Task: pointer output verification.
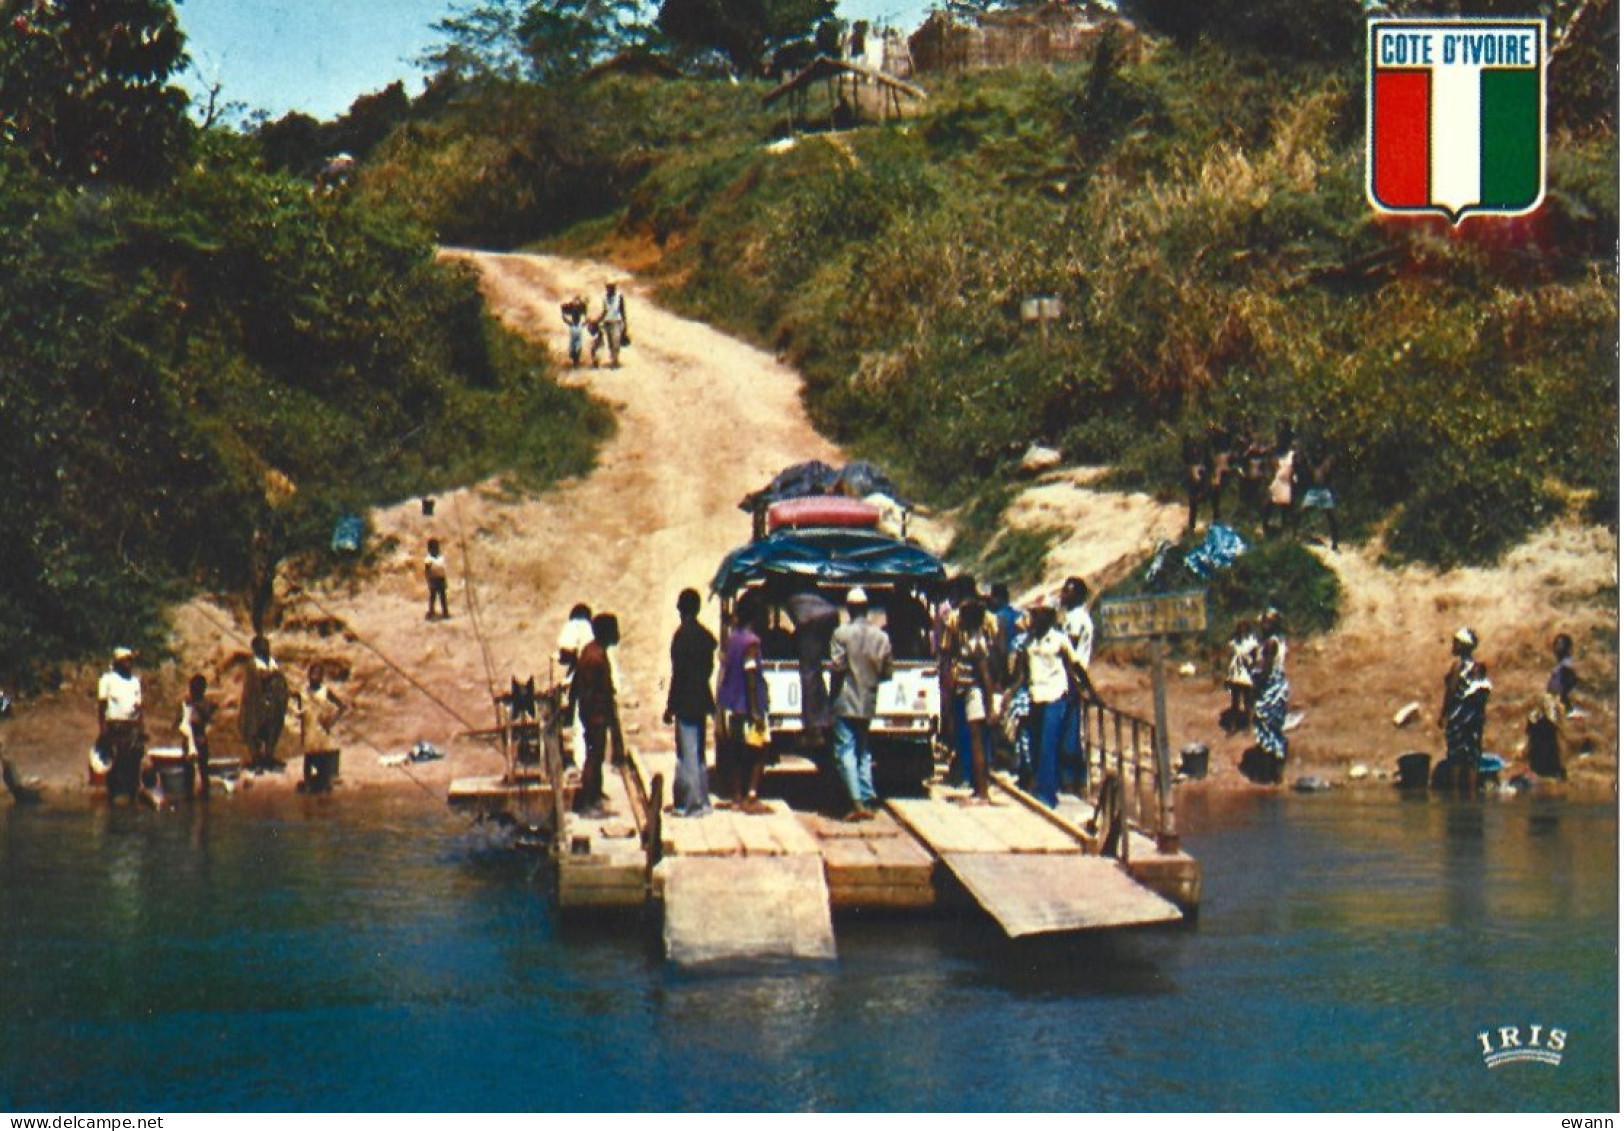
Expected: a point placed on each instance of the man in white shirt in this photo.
(434, 572)
(572, 638)
(1078, 625)
(118, 723)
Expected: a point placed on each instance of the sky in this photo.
(317, 56)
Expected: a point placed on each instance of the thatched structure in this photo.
(853, 89)
(1054, 31)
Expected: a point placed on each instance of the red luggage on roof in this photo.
(822, 510)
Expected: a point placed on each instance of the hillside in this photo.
(1200, 218)
(658, 512)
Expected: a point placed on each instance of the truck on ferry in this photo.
(813, 542)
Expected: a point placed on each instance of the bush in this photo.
(174, 355)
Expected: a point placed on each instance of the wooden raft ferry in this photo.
(731, 885)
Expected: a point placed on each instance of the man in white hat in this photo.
(118, 723)
(860, 659)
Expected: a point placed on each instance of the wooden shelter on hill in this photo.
(1051, 31)
(855, 90)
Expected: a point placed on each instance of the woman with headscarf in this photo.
(1273, 692)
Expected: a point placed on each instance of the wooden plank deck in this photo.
(1005, 826)
(1043, 894)
(1028, 871)
(603, 863)
(720, 908)
(873, 864)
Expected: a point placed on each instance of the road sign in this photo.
(1153, 614)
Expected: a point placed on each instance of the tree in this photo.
(745, 32)
(539, 40)
(84, 87)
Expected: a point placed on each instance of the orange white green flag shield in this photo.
(1455, 114)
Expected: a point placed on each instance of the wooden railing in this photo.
(1124, 744)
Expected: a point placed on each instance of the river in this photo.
(376, 952)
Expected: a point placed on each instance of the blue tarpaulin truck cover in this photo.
(844, 556)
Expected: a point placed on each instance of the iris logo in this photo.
(1514, 1043)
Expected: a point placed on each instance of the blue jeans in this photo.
(854, 761)
(690, 792)
(1048, 721)
(1073, 769)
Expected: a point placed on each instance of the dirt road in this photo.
(702, 420)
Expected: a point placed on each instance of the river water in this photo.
(379, 953)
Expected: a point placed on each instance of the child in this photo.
(319, 710)
(195, 714)
(1243, 654)
(434, 572)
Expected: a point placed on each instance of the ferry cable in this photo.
(232, 633)
(471, 597)
(396, 668)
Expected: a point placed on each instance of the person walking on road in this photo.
(860, 660)
(574, 312)
(611, 326)
(690, 704)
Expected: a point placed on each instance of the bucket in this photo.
(319, 771)
(174, 774)
(100, 763)
(1193, 761)
(174, 781)
(1413, 769)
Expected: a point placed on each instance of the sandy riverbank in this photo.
(703, 419)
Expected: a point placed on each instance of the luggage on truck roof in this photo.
(846, 556)
(822, 510)
(858, 479)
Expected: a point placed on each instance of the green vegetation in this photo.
(199, 349)
(1199, 213)
(1278, 574)
(1201, 217)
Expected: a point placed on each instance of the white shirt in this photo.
(575, 635)
(122, 694)
(1046, 666)
(1079, 627)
